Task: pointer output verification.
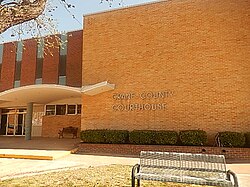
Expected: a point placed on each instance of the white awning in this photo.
(48, 93)
(39, 94)
(97, 88)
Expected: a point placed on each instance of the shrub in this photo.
(116, 136)
(104, 136)
(193, 137)
(143, 137)
(93, 136)
(232, 139)
(166, 137)
(247, 136)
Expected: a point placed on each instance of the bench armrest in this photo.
(231, 173)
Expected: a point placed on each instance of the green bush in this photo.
(141, 137)
(116, 136)
(93, 136)
(232, 139)
(247, 136)
(166, 137)
(193, 137)
(149, 137)
(104, 136)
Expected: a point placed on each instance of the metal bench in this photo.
(200, 169)
(68, 130)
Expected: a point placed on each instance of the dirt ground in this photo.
(102, 176)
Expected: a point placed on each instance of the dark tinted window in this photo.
(63, 55)
(60, 109)
(1, 57)
(79, 109)
(71, 109)
(19, 53)
(39, 59)
(50, 109)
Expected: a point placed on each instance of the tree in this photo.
(14, 12)
(19, 11)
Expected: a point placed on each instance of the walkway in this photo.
(37, 148)
(38, 143)
(11, 168)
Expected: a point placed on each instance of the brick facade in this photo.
(134, 150)
(28, 68)
(51, 60)
(74, 59)
(195, 50)
(52, 124)
(8, 66)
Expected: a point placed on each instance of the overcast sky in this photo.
(64, 20)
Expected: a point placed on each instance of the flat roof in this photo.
(125, 7)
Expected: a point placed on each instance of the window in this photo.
(63, 59)
(71, 109)
(1, 53)
(17, 84)
(60, 109)
(5, 111)
(79, 109)
(39, 60)
(50, 110)
(1, 57)
(39, 81)
(19, 53)
(62, 80)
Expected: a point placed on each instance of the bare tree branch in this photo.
(13, 13)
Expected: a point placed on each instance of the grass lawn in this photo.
(105, 176)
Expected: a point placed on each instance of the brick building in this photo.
(167, 65)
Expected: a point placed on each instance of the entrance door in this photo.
(3, 124)
(19, 127)
(12, 124)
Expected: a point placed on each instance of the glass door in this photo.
(11, 125)
(19, 126)
(13, 122)
(3, 124)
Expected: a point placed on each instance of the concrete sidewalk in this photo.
(12, 168)
(36, 148)
(33, 154)
(38, 143)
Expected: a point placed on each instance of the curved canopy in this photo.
(38, 94)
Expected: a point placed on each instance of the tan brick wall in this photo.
(196, 49)
(52, 124)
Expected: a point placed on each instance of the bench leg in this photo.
(135, 168)
(138, 182)
(229, 174)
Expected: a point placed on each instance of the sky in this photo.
(64, 20)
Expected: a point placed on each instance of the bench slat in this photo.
(187, 180)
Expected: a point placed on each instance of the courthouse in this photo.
(167, 65)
